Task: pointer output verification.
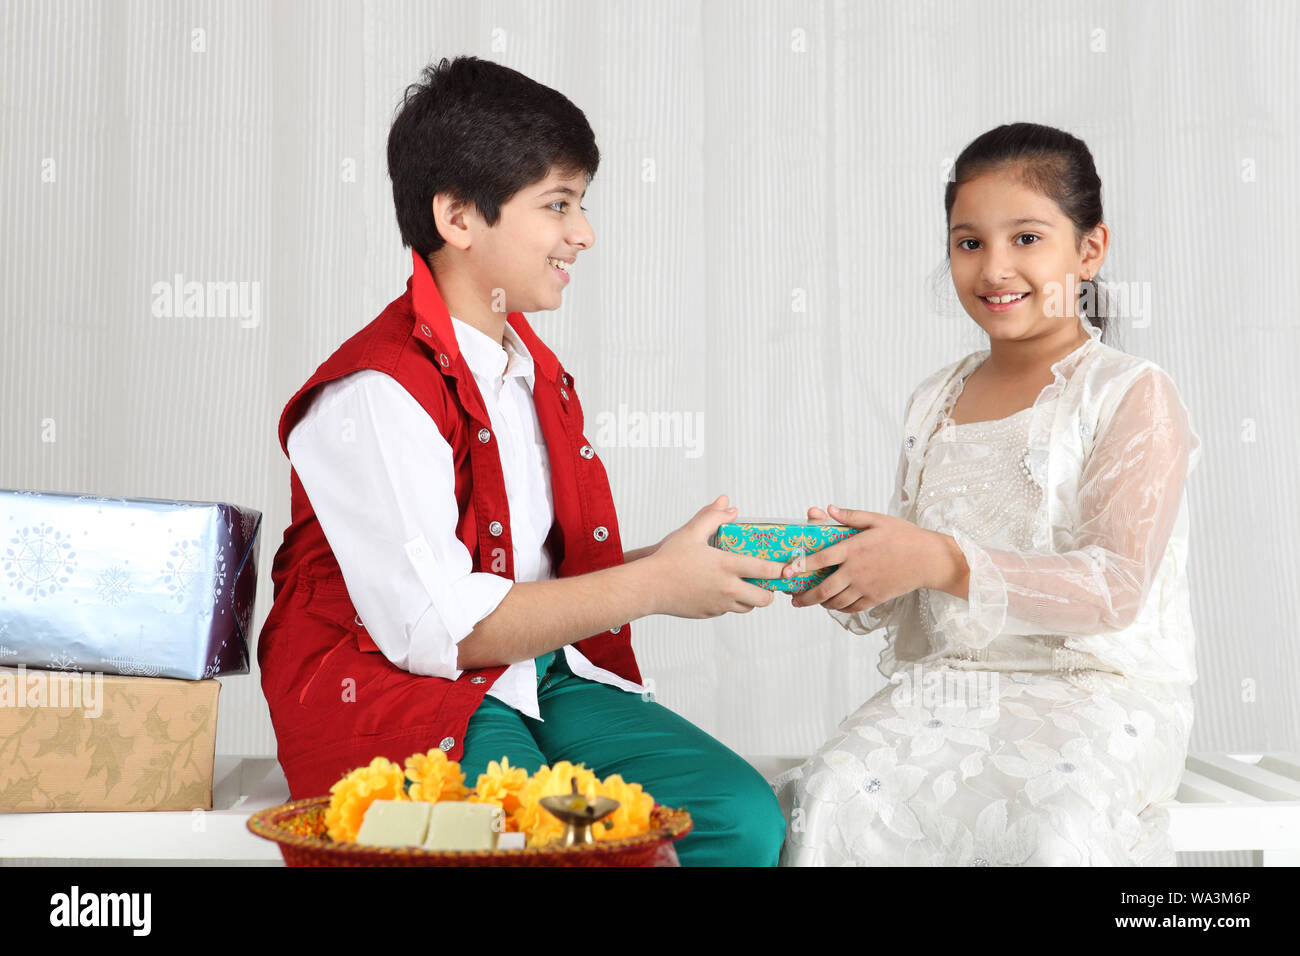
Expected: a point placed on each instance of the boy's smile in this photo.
(1015, 263)
(522, 262)
(528, 253)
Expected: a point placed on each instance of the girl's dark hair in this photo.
(482, 132)
(1051, 162)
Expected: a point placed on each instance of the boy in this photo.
(453, 575)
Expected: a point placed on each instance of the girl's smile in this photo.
(1003, 301)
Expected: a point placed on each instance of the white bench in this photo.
(1224, 802)
(220, 836)
(1240, 802)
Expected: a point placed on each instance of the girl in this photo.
(1031, 574)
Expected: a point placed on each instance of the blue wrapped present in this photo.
(136, 586)
(775, 539)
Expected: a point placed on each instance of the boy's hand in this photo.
(887, 557)
(693, 579)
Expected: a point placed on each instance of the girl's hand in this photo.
(688, 577)
(886, 558)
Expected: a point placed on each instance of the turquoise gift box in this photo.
(775, 539)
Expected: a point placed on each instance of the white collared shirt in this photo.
(380, 476)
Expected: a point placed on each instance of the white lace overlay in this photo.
(976, 478)
(1042, 770)
(1010, 749)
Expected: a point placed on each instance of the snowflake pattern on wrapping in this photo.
(214, 665)
(219, 580)
(63, 661)
(131, 666)
(248, 524)
(113, 585)
(185, 569)
(40, 560)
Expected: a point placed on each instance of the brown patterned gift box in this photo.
(85, 741)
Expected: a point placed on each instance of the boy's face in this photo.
(1007, 238)
(520, 262)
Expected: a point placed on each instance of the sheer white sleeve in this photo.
(1130, 493)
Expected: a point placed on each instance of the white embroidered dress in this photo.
(1042, 720)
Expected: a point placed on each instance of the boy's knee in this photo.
(744, 826)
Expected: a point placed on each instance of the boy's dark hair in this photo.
(1052, 162)
(482, 132)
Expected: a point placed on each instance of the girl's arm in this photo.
(1129, 498)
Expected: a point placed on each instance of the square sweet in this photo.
(775, 539)
(395, 823)
(510, 841)
(460, 825)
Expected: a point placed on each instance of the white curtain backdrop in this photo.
(768, 265)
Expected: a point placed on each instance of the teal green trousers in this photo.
(736, 818)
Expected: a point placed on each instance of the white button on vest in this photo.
(615, 630)
(357, 619)
(446, 743)
(601, 533)
(564, 395)
(585, 451)
(495, 528)
(484, 435)
(478, 679)
(443, 360)
(425, 330)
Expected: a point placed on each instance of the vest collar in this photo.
(430, 310)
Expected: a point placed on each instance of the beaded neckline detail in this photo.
(990, 424)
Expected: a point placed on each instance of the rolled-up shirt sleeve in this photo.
(1130, 493)
(381, 480)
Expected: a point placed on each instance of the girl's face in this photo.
(1007, 239)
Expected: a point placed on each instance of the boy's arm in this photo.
(381, 480)
(540, 616)
(684, 576)
(630, 556)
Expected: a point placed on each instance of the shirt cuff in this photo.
(451, 613)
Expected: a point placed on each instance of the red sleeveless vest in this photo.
(336, 701)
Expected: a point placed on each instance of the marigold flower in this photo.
(632, 818)
(352, 796)
(433, 777)
(500, 786)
